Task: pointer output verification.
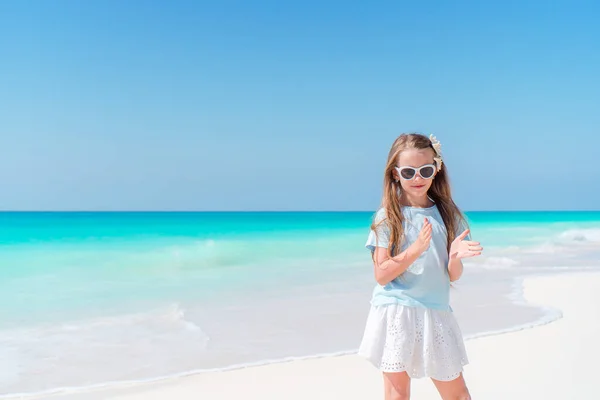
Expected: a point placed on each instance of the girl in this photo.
(417, 240)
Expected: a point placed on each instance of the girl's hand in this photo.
(422, 242)
(464, 248)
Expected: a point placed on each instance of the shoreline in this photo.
(516, 296)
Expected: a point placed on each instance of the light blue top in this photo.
(426, 282)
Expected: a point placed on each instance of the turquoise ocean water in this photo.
(93, 298)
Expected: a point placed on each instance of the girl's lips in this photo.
(418, 186)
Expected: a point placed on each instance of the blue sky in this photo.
(187, 105)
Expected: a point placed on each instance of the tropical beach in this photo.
(149, 298)
(197, 199)
(515, 365)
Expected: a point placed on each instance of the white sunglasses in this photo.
(425, 171)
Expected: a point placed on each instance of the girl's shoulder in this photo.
(380, 215)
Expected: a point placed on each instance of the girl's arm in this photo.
(455, 269)
(460, 249)
(387, 269)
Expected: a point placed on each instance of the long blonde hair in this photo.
(439, 192)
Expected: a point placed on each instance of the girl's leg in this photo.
(453, 390)
(396, 385)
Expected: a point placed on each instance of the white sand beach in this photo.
(557, 360)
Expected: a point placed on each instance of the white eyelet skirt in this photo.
(421, 341)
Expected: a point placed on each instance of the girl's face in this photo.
(415, 169)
